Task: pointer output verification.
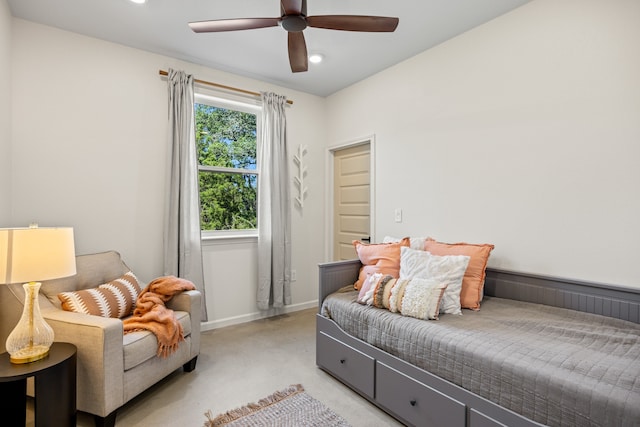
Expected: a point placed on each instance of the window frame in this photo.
(230, 103)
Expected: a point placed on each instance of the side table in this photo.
(55, 388)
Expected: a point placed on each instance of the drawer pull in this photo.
(343, 360)
(413, 402)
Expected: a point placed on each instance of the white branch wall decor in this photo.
(302, 172)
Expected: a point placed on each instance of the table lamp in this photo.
(30, 255)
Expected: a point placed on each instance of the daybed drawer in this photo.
(350, 365)
(416, 402)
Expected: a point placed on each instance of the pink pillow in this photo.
(473, 281)
(381, 258)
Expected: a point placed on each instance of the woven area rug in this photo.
(291, 407)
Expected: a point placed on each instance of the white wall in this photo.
(89, 142)
(5, 112)
(524, 133)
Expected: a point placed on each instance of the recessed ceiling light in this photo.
(138, 1)
(316, 58)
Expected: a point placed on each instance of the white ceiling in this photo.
(160, 26)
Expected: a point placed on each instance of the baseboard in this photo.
(236, 320)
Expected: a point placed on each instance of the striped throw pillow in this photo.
(114, 299)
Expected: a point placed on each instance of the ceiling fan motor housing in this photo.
(293, 23)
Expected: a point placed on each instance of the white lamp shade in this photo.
(35, 254)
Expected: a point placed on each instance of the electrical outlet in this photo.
(294, 275)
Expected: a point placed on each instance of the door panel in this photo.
(351, 202)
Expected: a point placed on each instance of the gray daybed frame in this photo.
(417, 397)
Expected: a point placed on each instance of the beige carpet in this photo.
(291, 407)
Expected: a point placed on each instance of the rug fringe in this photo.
(250, 408)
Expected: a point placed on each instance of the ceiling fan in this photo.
(294, 20)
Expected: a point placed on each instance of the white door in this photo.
(351, 204)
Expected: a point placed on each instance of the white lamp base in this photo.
(32, 337)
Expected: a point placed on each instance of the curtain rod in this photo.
(218, 85)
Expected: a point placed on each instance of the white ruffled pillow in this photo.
(448, 270)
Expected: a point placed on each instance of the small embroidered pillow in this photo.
(419, 298)
(376, 290)
(114, 299)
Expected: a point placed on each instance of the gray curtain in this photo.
(274, 214)
(182, 239)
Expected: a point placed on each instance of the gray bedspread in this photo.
(555, 366)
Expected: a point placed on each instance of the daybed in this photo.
(540, 351)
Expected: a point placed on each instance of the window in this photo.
(226, 139)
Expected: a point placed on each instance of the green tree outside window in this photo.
(228, 177)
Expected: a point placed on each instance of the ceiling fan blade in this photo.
(233, 24)
(297, 52)
(293, 7)
(381, 24)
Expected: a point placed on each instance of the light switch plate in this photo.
(398, 215)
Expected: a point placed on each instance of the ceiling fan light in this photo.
(316, 58)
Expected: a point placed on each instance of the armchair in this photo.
(113, 367)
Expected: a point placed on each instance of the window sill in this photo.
(231, 237)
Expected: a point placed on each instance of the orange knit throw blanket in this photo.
(151, 314)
